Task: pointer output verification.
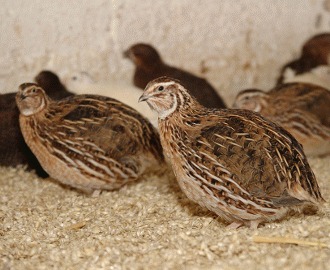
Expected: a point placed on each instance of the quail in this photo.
(149, 65)
(13, 149)
(88, 142)
(313, 64)
(236, 163)
(302, 109)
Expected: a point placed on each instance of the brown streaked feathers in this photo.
(302, 109)
(236, 163)
(86, 141)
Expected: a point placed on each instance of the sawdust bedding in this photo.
(147, 225)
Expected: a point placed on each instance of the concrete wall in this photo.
(235, 44)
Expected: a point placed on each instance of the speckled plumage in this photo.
(149, 66)
(302, 109)
(13, 149)
(86, 141)
(315, 52)
(236, 163)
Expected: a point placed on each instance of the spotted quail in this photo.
(149, 65)
(88, 142)
(302, 109)
(236, 163)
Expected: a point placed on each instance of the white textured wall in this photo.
(241, 43)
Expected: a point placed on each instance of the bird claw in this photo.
(254, 224)
(234, 225)
(96, 193)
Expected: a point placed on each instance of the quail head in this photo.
(302, 109)
(236, 163)
(88, 142)
(149, 65)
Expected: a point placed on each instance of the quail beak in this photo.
(144, 97)
(22, 96)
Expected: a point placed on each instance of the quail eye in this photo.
(33, 90)
(160, 88)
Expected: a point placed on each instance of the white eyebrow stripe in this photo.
(165, 83)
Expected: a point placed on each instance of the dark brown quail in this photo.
(313, 64)
(236, 163)
(88, 142)
(52, 85)
(302, 109)
(149, 66)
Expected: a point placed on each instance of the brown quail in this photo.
(149, 65)
(88, 142)
(302, 109)
(52, 85)
(313, 64)
(236, 163)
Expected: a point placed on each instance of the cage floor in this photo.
(146, 225)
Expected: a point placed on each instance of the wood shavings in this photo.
(146, 225)
(76, 226)
(287, 240)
